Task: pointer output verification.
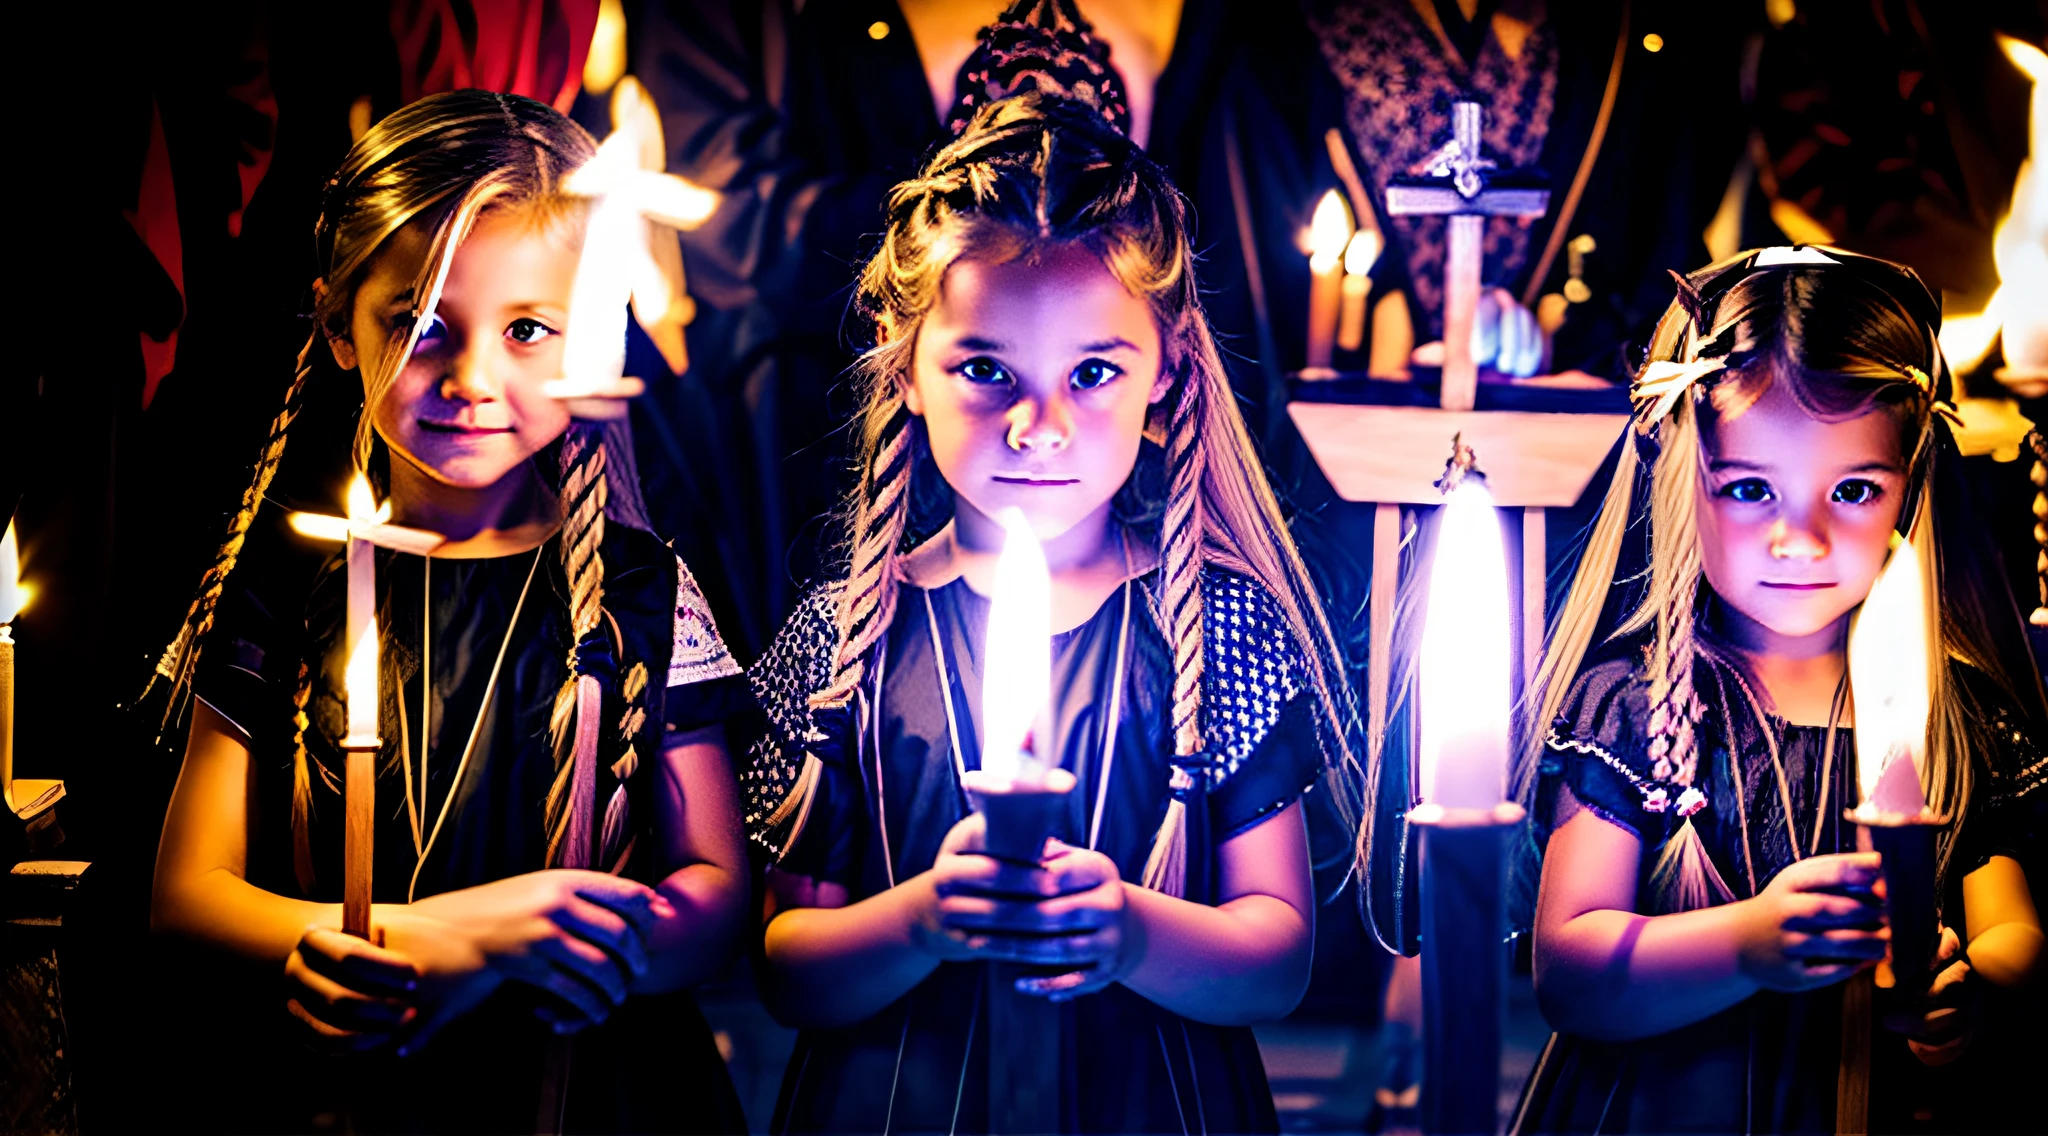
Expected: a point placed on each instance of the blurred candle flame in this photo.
(1329, 231)
(1465, 658)
(1016, 687)
(14, 593)
(2019, 248)
(1361, 253)
(360, 682)
(1890, 656)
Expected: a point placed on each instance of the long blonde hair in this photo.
(1027, 175)
(1843, 337)
(443, 161)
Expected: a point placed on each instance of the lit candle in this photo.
(1329, 232)
(1466, 656)
(13, 597)
(1359, 256)
(1891, 659)
(1464, 701)
(1016, 686)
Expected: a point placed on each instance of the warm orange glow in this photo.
(1016, 684)
(2019, 248)
(1889, 659)
(362, 503)
(319, 526)
(360, 681)
(1466, 656)
(1329, 231)
(607, 59)
(14, 594)
(1362, 252)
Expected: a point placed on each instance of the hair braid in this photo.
(889, 451)
(302, 784)
(182, 656)
(575, 722)
(1181, 543)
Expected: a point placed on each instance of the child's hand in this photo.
(579, 936)
(963, 883)
(1817, 923)
(1938, 1024)
(1088, 924)
(349, 994)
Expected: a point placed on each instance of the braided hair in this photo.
(1843, 335)
(437, 164)
(1028, 175)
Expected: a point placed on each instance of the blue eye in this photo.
(1858, 491)
(1748, 491)
(1093, 373)
(982, 369)
(528, 331)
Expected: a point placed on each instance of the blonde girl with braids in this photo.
(1039, 346)
(1699, 902)
(557, 846)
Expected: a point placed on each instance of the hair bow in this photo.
(1663, 381)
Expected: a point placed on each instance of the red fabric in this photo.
(256, 147)
(155, 219)
(534, 48)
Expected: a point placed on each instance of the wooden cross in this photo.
(1458, 188)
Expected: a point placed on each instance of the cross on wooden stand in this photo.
(1384, 442)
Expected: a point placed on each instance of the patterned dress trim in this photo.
(1252, 668)
(699, 653)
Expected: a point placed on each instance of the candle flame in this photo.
(360, 683)
(1890, 659)
(362, 503)
(1465, 656)
(319, 526)
(2019, 249)
(1362, 252)
(1328, 232)
(1016, 687)
(14, 594)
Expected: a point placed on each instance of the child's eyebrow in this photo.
(1113, 343)
(1719, 464)
(1874, 467)
(977, 343)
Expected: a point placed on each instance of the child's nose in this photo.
(1040, 425)
(469, 379)
(1794, 538)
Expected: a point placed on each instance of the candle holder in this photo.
(1464, 963)
(1906, 843)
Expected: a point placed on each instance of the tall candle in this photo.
(1016, 689)
(1892, 656)
(13, 597)
(1329, 232)
(1466, 656)
(1359, 256)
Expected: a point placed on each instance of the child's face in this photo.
(1796, 515)
(1033, 381)
(468, 408)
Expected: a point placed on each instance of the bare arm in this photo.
(828, 963)
(2004, 929)
(697, 813)
(1246, 959)
(1604, 971)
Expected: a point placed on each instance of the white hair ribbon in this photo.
(1663, 381)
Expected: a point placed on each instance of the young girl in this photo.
(1039, 346)
(1701, 901)
(550, 855)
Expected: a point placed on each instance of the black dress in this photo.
(1770, 1063)
(880, 814)
(652, 1066)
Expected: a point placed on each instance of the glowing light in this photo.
(607, 59)
(319, 526)
(360, 682)
(1890, 657)
(1362, 251)
(2019, 249)
(1466, 656)
(878, 30)
(1329, 231)
(14, 594)
(1653, 43)
(1017, 672)
(362, 503)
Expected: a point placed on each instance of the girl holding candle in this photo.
(1039, 345)
(545, 865)
(1701, 903)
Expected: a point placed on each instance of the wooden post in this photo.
(358, 840)
(1535, 592)
(1462, 264)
